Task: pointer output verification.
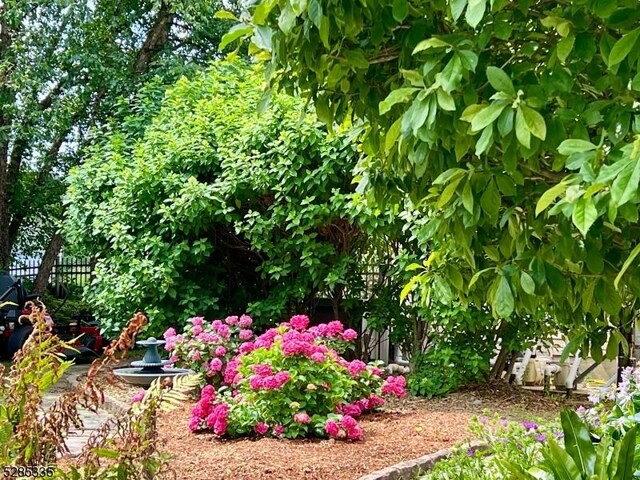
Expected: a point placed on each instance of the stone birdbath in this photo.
(143, 372)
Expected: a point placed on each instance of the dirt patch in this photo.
(406, 429)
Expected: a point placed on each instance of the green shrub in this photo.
(460, 345)
(205, 208)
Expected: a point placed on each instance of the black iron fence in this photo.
(66, 270)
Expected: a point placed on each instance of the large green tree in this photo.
(513, 127)
(64, 67)
(195, 206)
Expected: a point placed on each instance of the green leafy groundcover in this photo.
(589, 444)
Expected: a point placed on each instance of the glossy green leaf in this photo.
(487, 115)
(623, 47)
(400, 10)
(549, 197)
(475, 12)
(584, 214)
(503, 300)
(500, 80)
(400, 95)
(575, 146)
(522, 131)
(627, 263)
(577, 442)
(527, 283)
(534, 122)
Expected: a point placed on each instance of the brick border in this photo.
(407, 470)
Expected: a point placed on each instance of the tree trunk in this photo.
(48, 261)
(498, 367)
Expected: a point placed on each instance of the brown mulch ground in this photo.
(407, 429)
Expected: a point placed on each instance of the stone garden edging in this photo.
(408, 469)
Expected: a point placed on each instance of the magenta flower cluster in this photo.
(207, 347)
(269, 380)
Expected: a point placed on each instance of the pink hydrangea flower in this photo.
(318, 357)
(355, 433)
(395, 386)
(332, 428)
(215, 365)
(262, 369)
(271, 383)
(194, 424)
(299, 322)
(196, 330)
(231, 320)
(171, 332)
(224, 331)
(247, 347)
(208, 392)
(349, 335)
(261, 428)
(197, 321)
(301, 417)
(138, 397)
(255, 382)
(196, 355)
(245, 334)
(231, 371)
(356, 367)
(351, 409)
(245, 321)
(283, 377)
(220, 351)
(348, 422)
(335, 328)
(278, 430)
(174, 358)
(374, 401)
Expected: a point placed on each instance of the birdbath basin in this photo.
(143, 372)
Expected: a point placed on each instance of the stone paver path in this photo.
(76, 439)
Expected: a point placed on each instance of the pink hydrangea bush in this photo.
(207, 347)
(292, 382)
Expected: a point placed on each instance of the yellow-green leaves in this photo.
(500, 80)
(549, 197)
(571, 146)
(625, 186)
(487, 115)
(623, 47)
(475, 12)
(584, 214)
(527, 283)
(503, 301)
(433, 42)
(399, 95)
(236, 32)
(534, 122)
(627, 263)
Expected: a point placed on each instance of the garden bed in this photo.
(406, 429)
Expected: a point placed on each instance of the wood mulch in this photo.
(406, 429)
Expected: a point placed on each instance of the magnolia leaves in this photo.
(503, 300)
(528, 122)
(475, 10)
(615, 186)
(623, 47)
